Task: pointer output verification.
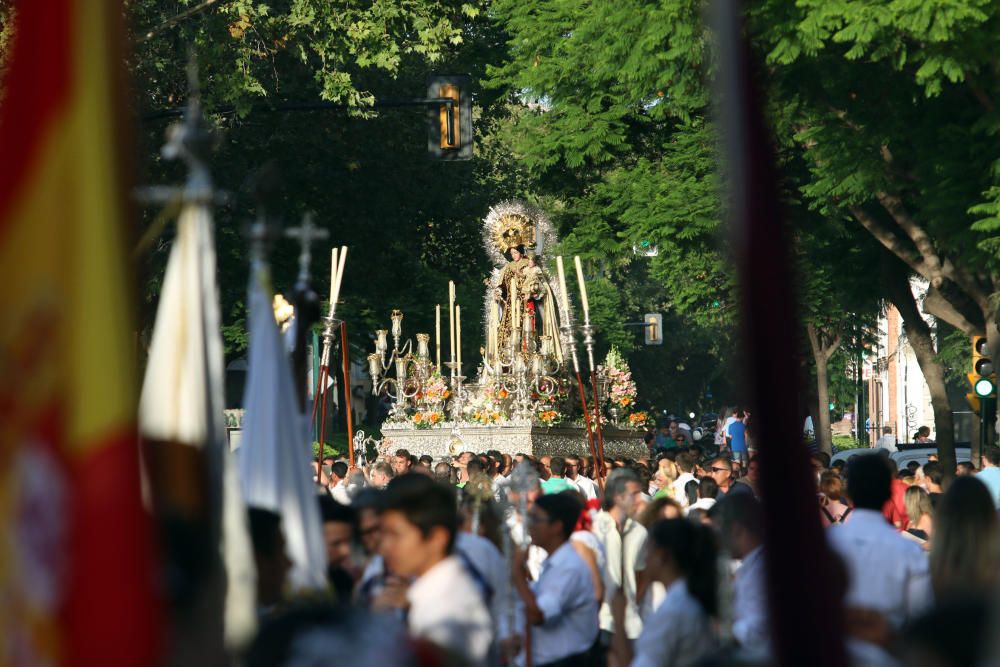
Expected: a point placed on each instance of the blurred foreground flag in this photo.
(77, 565)
(274, 453)
(192, 477)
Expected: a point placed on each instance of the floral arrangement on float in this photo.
(434, 391)
(425, 419)
(484, 405)
(550, 402)
(549, 416)
(620, 392)
(426, 409)
(638, 420)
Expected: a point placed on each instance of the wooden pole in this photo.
(324, 373)
(323, 370)
(347, 393)
(587, 425)
(599, 429)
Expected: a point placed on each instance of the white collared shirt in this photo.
(678, 634)
(750, 603)
(605, 529)
(565, 594)
(447, 609)
(702, 504)
(888, 573)
(679, 485)
(340, 494)
(585, 485)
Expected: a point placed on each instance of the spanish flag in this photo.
(77, 570)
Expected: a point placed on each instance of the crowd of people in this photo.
(489, 559)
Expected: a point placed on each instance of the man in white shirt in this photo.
(561, 605)
(685, 463)
(584, 485)
(707, 492)
(888, 574)
(338, 483)
(741, 527)
(419, 522)
(500, 483)
(887, 441)
(624, 542)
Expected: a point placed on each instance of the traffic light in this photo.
(449, 124)
(982, 379)
(653, 328)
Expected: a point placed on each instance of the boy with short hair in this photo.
(419, 521)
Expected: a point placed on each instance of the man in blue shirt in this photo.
(990, 474)
(737, 435)
(561, 606)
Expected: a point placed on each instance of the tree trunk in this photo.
(821, 356)
(812, 400)
(896, 277)
(993, 344)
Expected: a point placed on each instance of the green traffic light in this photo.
(983, 387)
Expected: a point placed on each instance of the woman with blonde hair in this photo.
(966, 546)
(920, 512)
(666, 474)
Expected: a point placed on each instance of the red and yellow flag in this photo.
(77, 576)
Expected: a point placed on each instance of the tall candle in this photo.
(340, 272)
(451, 317)
(333, 276)
(437, 334)
(458, 336)
(583, 289)
(562, 286)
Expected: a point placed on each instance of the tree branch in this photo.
(938, 268)
(929, 257)
(940, 307)
(170, 23)
(885, 236)
(833, 346)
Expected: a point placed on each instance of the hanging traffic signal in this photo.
(653, 328)
(449, 117)
(982, 363)
(982, 379)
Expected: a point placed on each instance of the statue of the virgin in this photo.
(521, 312)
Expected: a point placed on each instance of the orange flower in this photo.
(434, 418)
(417, 418)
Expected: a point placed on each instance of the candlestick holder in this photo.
(411, 372)
(457, 405)
(588, 342)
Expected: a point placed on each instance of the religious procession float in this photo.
(532, 391)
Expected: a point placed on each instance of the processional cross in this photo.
(306, 233)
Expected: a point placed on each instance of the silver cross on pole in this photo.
(306, 233)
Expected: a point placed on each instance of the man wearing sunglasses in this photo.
(721, 470)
